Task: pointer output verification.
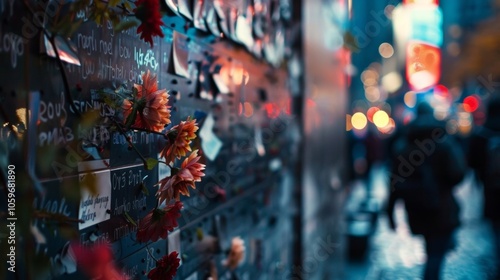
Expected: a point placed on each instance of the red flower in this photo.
(166, 267)
(159, 222)
(182, 135)
(148, 12)
(97, 262)
(151, 105)
(190, 172)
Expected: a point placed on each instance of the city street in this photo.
(399, 255)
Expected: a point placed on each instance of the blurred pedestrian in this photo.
(484, 159)
(425, 168)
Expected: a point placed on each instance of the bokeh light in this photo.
(381, 119)
(471, 103)
(389, 128)
(388, 11)
(248, 109)
(371, 112)
(453, 49)
(392, 82)
(359, 120)
(455, 31)
(372, 93)
(441, 91)
(370, 82)
(369, 74)
(410, 99)
(452, 127)
(386, 50)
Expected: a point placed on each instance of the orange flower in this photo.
(157, 223)
(148, 12)
(173, 187)
(166, 267)
(181, 136)
(191, 168)
(96, 261)
(236, 253)
(150, 106)
(190, 172)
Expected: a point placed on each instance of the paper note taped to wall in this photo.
(185, 8)
(93, 209)
(210, 143)
(180, 55)
(174, 243)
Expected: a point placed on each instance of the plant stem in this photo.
(149, 253)
(167, 164)
(123, 132)
(59, 61)
(149, 131)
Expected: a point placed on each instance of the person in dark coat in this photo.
(481, 155)
(424, 171)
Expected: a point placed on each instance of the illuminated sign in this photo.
(426, 25)
(422, 65)
(423, 54)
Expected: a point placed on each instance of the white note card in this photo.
(94, 208)
(174, 243)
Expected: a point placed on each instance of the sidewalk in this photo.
(399, 255)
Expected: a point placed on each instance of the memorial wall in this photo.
(132, 158)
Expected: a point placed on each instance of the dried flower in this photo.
(166, 267)
(96, 261)
(185, 177)
(157, 223)
(148, 12)
(150, 108)
(181, 136)
(236, 253)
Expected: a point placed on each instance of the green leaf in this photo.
(125, 25)
(129, 219)
(150, 163)
(199, 233)
(114, 3)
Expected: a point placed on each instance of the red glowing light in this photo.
(272, 110)
(441, 91)
(471, 103)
